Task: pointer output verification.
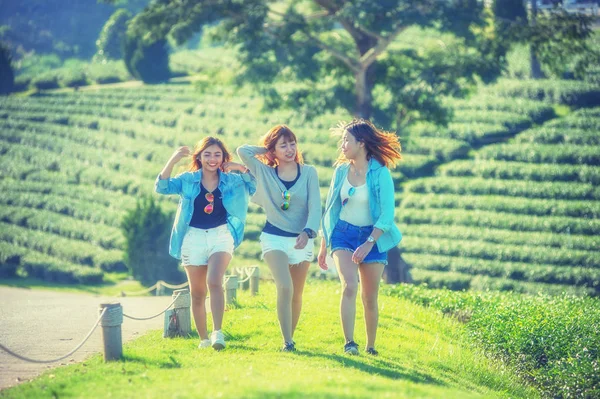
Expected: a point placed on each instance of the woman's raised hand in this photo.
(229, 166)
(180, 153)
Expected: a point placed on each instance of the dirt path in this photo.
(46, 324)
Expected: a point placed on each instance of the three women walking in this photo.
(358, 224)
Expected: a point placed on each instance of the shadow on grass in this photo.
(169, 363)
(382, 368)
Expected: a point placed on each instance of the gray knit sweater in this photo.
(305, 202)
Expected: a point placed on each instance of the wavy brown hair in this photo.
(381, 145)
(202, 145)
(270, 139)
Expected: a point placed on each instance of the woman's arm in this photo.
(248, 153)
(386, 201)
(314, 201)
(164, 184)
(248, 179)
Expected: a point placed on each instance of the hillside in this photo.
(422, 355)
(73, 162)
(521, 214)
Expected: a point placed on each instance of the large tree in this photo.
(343, 50)
(557, 39)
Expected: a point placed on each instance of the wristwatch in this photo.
(310, 233)
(371, 239)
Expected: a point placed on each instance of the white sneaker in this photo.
(218, 340)
(204, 343)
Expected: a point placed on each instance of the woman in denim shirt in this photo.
(208, 225)
(358, 224)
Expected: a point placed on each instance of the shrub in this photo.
(553, 341)
(73, 78)
(22, 83)
(147, 230)
(45, 82)
(148, 62)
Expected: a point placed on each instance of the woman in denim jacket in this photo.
(208, 225)
(358, 223)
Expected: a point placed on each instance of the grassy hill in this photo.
(521, 213)
(509, 198)
(422, 355)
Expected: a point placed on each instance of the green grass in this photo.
(552, 341)
(422, 355)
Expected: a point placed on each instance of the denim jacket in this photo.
(381, 204)
(236, 190)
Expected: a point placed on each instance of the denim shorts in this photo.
(348, 237)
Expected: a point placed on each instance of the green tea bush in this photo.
(499, 220)
(56, 270)
(45, 82)
(542, 153)
(490, 169)
(502, 252)
(553, 341)
(555, 135)
(508, 237)
(567, 92)
(538, 112)
(548, 274)
(528, 189)
(10, 259)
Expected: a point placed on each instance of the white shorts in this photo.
(271, 242)
(199, 244)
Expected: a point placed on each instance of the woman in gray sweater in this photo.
(289, 193)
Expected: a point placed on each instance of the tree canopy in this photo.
(342, 51)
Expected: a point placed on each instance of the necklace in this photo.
(356, 171)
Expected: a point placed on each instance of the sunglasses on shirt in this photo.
(208, 209)
(351, 192)
(285, 205)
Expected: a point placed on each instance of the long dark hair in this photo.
(379, 144)
(202, 145)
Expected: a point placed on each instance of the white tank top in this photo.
(356, 210)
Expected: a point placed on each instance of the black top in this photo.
(269, 228)
(289, 184)
(203, 220)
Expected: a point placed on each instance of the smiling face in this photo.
(211, 158)
(351, 148)
(285, 150)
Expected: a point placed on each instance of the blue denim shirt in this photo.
(235, 188)
(381, 204)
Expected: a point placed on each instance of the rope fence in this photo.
(5, 349)
(151, 317)
(177, 321)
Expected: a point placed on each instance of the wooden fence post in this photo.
(111, 330)
(178, 321)
(242, 276)
(160, 289)
(231, 284)
(254, 279)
